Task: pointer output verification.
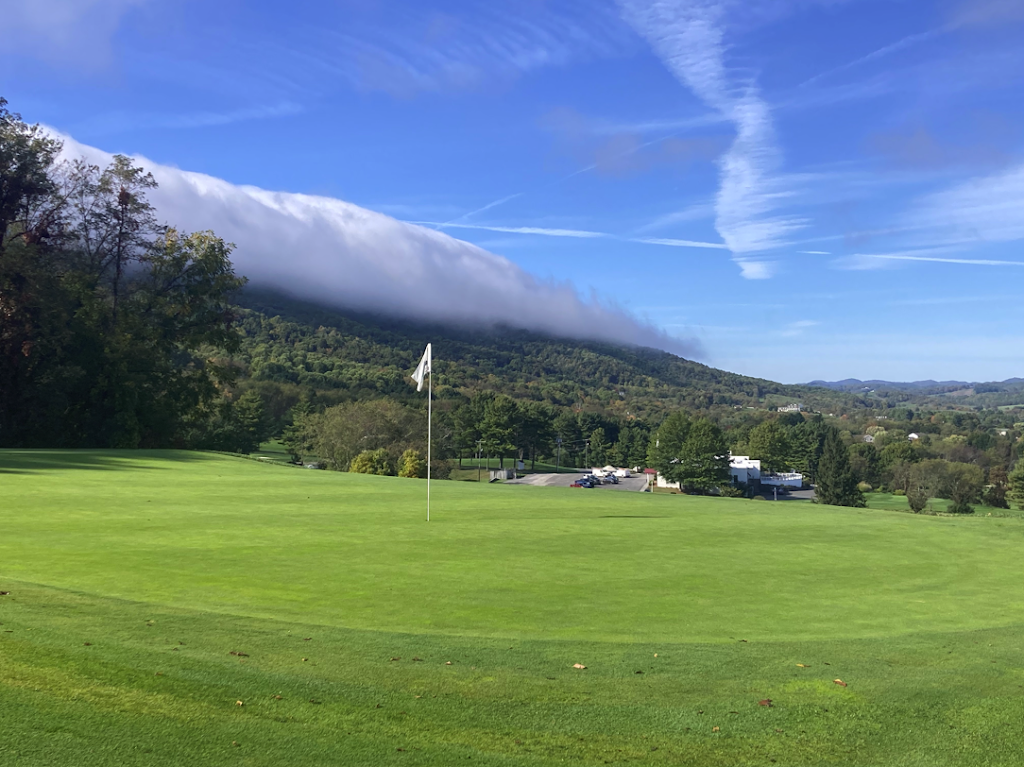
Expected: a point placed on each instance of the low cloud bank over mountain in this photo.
(341, 255)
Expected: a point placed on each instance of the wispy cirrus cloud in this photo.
(585, 234)
(412, 48)
(117, 122)
(689, 38)
(984, 209)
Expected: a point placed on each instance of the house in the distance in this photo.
(912, 436)
(796, 407)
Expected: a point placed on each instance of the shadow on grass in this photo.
(41, 461)
(632, 516)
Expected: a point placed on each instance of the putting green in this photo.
(226, 535)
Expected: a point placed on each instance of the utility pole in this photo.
(479, 449)
(586, 458)
(558, 457)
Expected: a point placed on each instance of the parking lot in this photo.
(634, 484)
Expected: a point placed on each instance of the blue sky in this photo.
(797, 190)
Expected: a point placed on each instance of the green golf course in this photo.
(183, 608)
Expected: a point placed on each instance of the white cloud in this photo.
(689, 38)
(339, 254)
(680, 243)
(757, 270)
(581, 233)
(697, 212)
(63, 30)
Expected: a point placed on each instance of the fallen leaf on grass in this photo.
(716, 729)
(239, 654)
(655, 655)
(839, 682)
(638, 672)
(305, 659)
(448, 663)
(239, 703)
(802, 665)
(765, 702)
(235, 743)
(314, 701)
(278, 697)
(578, 665)
(87, 644)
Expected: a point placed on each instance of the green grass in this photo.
(164, 563)
(890, 502)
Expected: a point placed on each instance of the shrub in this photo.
(899, 491)
(864, 487)
(728, 491)
(373, 462)
(918, 500)
(757, 498)
(412, 465)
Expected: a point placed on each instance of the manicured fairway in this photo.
(165, 563)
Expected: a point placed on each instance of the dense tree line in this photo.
(109, 321)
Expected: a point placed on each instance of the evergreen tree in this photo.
(704, 459)
(836, 484)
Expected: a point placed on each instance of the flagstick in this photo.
(430, 400)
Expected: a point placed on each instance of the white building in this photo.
(796, 407)
(913, 436)
(744, 469)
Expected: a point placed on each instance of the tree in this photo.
(836, 484)
(896, 452)
(963, 486)
(807, 445)
(340, 433)
(667, 445)
(500, 427)
(769, 443)
(998, 487)
(1015, 485)
(598, 447)
(251, 422)
(27, 158)
(866, 464)
(923, 481)
(412, 465)
(704, 458)
(373, 462)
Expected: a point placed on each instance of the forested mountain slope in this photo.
(361, 356)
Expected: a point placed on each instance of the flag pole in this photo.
(430, 401)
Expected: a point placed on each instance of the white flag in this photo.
(422, 370)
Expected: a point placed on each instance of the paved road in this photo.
(565, 480)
